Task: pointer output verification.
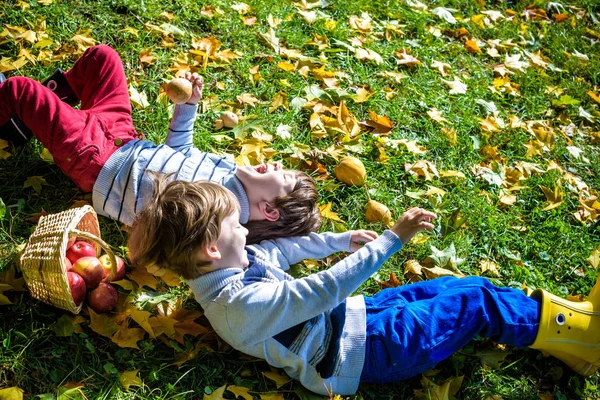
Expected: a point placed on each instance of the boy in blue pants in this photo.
(100, 150)
(312, 327)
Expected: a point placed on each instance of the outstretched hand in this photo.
(197, 86)
(360, 237)
(413, 221)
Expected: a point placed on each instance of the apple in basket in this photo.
(80, 249)
(90, 270)
(68, 264)
(77, 286)
(104, 298)
(107, 265)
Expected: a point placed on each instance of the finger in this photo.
(426, 225)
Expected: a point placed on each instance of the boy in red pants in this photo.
(99, 149)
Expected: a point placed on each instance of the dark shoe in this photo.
(14, 130)
(59, 85)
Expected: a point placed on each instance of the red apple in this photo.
(90, 270)
(80, 249)
(104, 298)
(68, 264)
(107, 265)
(77, 286)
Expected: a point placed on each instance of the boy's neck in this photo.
(235, 186)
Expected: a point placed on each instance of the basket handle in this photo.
(103, 244)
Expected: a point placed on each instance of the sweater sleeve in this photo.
(284, 252)
(181, 127)
(259, 311)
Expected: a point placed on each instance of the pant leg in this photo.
(408, 337)
(74, 138)
(99, 80)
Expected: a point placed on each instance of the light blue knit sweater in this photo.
(123, 185)
(308, 326)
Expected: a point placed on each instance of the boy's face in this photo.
(231, 242)
(263, 183)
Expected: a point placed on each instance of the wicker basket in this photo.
(43, 259)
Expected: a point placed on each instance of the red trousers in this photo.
(79, 140)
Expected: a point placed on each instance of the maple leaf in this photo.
(413, 271)
(594, 258)
(271, 39)
(368, 55)
(436, 115)
(445, 14)
(188, 327)
(83, 40)
(380, 124)
(279, 379)
(534, 147)
(146, 57)
(456, 86)
(514, 62)
(130, 378)
(240, 391)
(161, 324)
(11, 393)
(488, 266)
(441, 67)
(216, 394)
(142, 277)
(141, 317)
(280, 100)
(103, 324)
(472, 47)
(4, 301)
(246, 98)
(8, 277)
(446, 258)
(553, 197)
(403, 57)
(362, 24)
(326, 213)
(138, 99)
(422, 168)
(444, 391)
(392, 282)
(35, 182)
(128, 337)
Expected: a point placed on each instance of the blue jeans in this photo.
(413, 327)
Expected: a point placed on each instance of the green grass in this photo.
(545, 249)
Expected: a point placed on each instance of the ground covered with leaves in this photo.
(485, 112)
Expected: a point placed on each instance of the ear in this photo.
(270, 213)
(211, 252)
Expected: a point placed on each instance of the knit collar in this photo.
(235, 186)
(208, 286)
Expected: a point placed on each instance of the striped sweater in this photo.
(123, 185)
(307, 326)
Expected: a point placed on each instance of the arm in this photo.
(260, 311)
(284, 252)
(182, 123)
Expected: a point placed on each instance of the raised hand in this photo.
(412, 221)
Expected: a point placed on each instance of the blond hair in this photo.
(180, 219)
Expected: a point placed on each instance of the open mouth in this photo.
(262, 168)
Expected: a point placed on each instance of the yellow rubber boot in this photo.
(570, 331)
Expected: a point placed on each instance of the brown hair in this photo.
(298, 213)
(177, 222)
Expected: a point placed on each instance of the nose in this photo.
(245, 231)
